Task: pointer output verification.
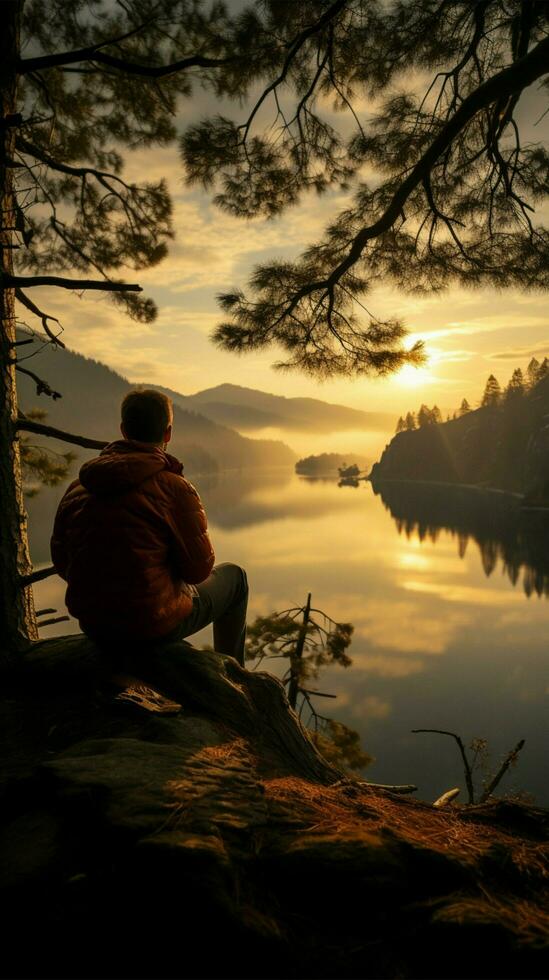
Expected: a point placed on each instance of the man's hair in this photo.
(146, 414)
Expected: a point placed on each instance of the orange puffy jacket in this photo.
(129, 535)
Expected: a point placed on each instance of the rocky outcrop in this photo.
(216, 842)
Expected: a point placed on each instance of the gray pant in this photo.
(222, 600)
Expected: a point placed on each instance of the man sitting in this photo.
(130, 539)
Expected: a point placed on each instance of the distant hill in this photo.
(90, 406)
(503, 446)
(250, 409)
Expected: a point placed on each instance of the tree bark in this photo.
(17, 617)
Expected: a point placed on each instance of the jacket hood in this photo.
(123, 465)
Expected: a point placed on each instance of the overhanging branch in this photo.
(507, 82)
(27, 65)
(102, 284)
(29, 425)
(42, 387)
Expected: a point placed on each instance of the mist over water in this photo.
(450, 631)
(365, 443)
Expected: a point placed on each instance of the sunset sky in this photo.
(468, 335)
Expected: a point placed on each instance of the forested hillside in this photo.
(502, 444)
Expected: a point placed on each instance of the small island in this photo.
(331, 464)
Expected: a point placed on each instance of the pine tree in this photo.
(436, 415)
(492, 392)
(410, 422)
(310, 640)
(401, 425)
(424, 417)
(464, 408)
(532, 372)
(515, 387)
(543, 370)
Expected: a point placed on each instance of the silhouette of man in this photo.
(130, 539)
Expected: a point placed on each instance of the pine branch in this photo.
(39, 153)
(296, 46)
(107, 285)
(92, 54)
(29, 425)
(506, 83)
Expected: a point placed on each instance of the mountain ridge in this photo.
(90, 406)
(252, 408)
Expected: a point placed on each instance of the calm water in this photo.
(450, 631)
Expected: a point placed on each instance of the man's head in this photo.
(147, 416)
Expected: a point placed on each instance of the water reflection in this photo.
(235, 500)
(505, 533)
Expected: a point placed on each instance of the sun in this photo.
(412, 377)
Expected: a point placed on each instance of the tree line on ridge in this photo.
(493, 396)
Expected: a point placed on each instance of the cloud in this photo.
(464, 593)
(371, 707)
(518, 352)
(384, 627)
(387, 665)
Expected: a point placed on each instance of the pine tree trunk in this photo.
(17, 617)
(297, 656)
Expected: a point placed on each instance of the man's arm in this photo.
(192, 551)
(58, 542)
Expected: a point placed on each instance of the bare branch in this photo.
(107, 285)
(44, 317)
(467, 767)
(317, 694)
(42, 387)
(92, 54)
(56, 619)
(33, 577)
(20, 343)
(29, 425)
(25, 146)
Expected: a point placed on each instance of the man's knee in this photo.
(237, 575)
(242, 580)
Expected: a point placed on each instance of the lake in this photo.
(448, 598)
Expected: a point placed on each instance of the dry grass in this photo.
(528, 921)
(330, 810)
